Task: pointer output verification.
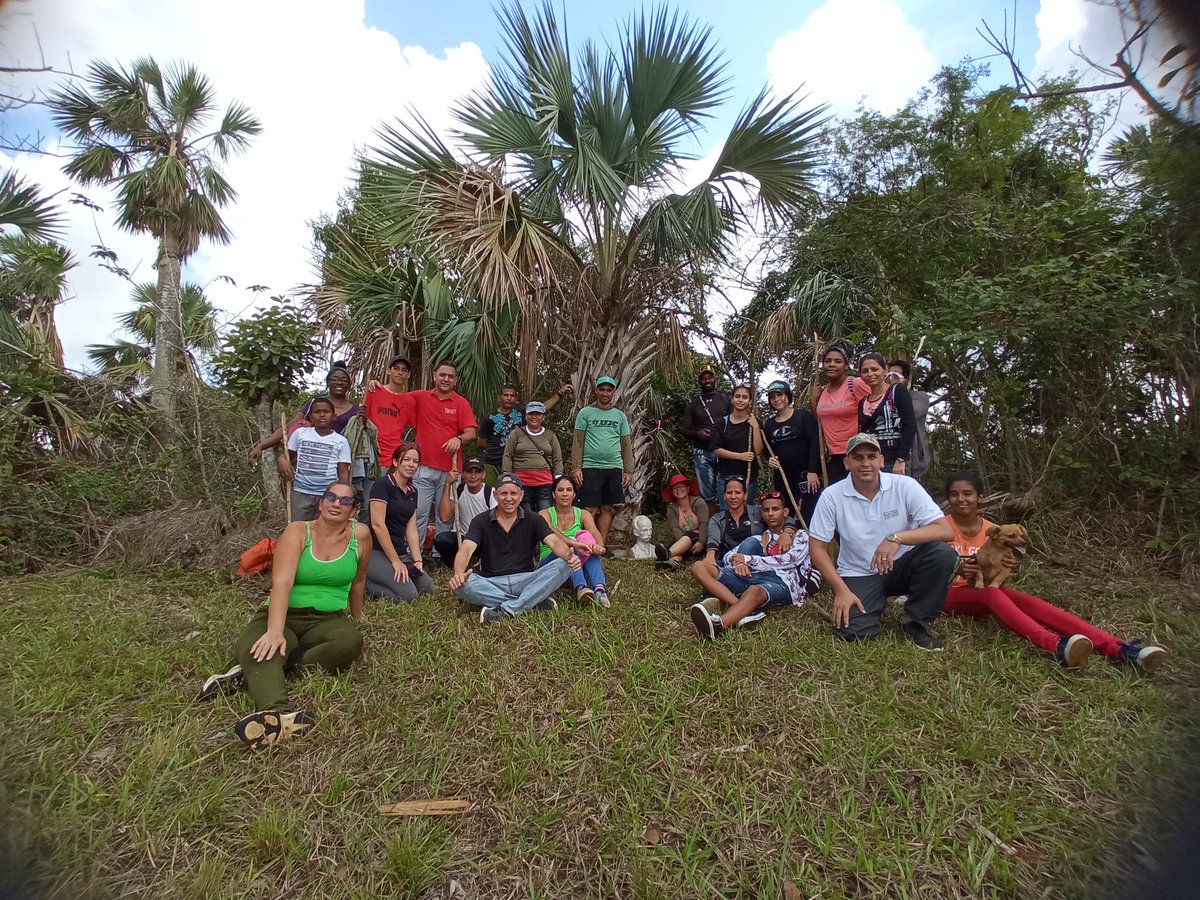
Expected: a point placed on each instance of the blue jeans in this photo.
(591, 574)
(515, 593)
(777, 592)
(538, 498)
(428, 481)
(705, 463)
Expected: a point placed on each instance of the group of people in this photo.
(514, 526)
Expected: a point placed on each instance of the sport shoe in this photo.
(919, 635)
(661, 553)
(708, 625)
(1148, 659)
(1073, 651)
(712, 605)
(813, 585)
(233, 680)
(751, 620)
(547, 605)
(901, 599)
(583, 594)
(602, 597)
(272, 726)
(491, 614)
(667, 565)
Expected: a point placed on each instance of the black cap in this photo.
(508, 478)
(399, 359)
(473, 464)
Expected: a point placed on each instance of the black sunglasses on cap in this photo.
(338, 498)
(770, 495)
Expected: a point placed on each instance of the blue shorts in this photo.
(777, 592)
(705, 463)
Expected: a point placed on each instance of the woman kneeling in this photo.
(320, 568)
(1068, 638)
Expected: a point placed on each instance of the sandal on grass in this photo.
(270, 726)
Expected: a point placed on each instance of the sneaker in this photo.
(491, 614)
(233, 680)
(919, 635)
(270, 726)
(1148, 659)
(666, 565)
(751, 620)
(708, 625)
(1073, 651)
(712, 605)
(583, 594)
(547, 605)
(901, 600)
(602, 597)
(661, 553)
(813, 585)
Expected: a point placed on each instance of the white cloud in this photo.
(315, 74)
(852, 50)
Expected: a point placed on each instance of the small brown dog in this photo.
(999, 554)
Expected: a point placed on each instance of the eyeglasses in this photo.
(338, 498)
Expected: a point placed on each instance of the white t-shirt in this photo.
(317, 458)
(900, 505)
(470, 505)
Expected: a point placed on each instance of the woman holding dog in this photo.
(887, 413)
(1070, 639)
(577, 527)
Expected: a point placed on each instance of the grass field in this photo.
(607, 753)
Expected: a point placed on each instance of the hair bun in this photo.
(339, 364)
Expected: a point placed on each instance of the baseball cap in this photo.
(535, 406)
(508, 478)
(397, 359)
(859, 439)
(779, 387)
(605, 379)
(706, 370)
(473, 464)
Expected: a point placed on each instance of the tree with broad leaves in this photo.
(566, 196)
(148, 133)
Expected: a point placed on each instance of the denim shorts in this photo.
(777, 592)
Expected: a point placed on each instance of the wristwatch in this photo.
(892, 537)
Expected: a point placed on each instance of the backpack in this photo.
(487, 492)
(257, 559)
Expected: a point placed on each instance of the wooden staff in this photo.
(820, 432)
(919, 348)
(454, 491)
(786, 483)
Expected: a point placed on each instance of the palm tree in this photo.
(564, 196)
(144, 132)
(33, 277)
(133, 360)
(23, 206)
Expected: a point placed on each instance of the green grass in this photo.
(608, 753)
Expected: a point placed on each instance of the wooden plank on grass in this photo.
(425, 808)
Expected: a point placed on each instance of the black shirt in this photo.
(506, 552)
(724, 533)
(401, 506)
(704, 412)
(734, 436)
(795, 443)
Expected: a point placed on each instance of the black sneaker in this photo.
(489, 615)
(661, 553)
(233, 680)
(708, 625)
(919, 635)
(813, 585)
(1148, 659)
(547, 605)
(1073, 651)
(272, 726)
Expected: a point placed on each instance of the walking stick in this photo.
(457, 520)
(820, 431)
(786, 483)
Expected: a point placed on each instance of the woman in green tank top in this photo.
(318, 575)
(577, 527)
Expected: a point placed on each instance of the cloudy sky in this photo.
(321, 74)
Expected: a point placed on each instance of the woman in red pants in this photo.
(1056, 631)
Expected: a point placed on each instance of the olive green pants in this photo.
(326, 639)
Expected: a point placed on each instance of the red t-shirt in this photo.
(391, 414)
(838, 413)
(967, 546)
(437, 421)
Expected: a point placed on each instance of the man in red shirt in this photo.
(444, 422)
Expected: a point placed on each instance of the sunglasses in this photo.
(338, 498)
(770, 495)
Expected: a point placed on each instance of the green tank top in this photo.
(543, 550)
(324, 585)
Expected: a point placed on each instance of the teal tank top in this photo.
(324, 585)
(543, 550)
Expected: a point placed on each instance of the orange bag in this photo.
(257, 559)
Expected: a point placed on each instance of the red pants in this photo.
(1030, 617)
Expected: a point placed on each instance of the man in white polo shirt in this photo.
(891, 541)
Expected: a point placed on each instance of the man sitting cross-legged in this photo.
(891, 541)
(756, 575)
(507, 583)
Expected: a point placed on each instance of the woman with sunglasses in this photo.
(687, 520)
(396, 571)
(319, 571)
(732, 525)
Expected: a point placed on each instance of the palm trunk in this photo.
(168, 332)
(265, 422)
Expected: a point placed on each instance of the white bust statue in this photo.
(643, 529)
